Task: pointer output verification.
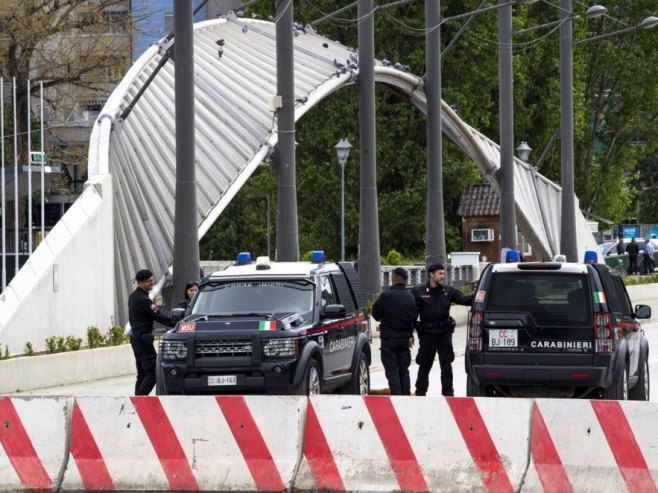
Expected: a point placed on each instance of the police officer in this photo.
(142, 312)
(436, 326)
(395, 309)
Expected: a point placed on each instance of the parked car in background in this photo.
(608, 250)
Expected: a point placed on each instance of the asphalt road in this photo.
(122, 386)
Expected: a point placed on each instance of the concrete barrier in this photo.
(32, 442)
(593, 446)
(230, 443)
(378, 443)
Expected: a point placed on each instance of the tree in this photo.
(77, 48)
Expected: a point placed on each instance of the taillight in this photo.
(475, 329)
(603, 333)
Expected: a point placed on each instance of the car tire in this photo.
(359, 383)
(618, 391)
(641, 390)
(311, 383)
(473, 389)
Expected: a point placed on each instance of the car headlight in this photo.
(281, 348)
(173, 350)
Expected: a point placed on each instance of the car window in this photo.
(257, 296)
(622, 296)
(551, 298)
(327, 295)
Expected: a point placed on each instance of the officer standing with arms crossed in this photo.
(142, 312)
(436, 326)
(395, 309)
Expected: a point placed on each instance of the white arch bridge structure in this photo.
(79, 275)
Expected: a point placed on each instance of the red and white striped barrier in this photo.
(378, 443)
(227, 443)
(593, 446)
(32, 442)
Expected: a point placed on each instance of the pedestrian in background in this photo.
(436, 326)
(633, 250)
(191, 289)
(142, 313)
(649, 250)
(620, 246)
(395, 309)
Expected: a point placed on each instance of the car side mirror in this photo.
(642, 311)
(333, 311)
(178, 314)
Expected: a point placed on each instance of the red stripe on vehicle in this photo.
(318, 454)
(87, 456)
(167, 447)
(251, 443)
(547, 461)
(479, 444)
(624, 447)
(19, 448)
(336, 325)
(397, 446)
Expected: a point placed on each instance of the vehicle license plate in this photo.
(223, 380)
(500, 338)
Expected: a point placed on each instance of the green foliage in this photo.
(393, 257)
(634, 280)
(72, 343)
(306, 256)
(5, 353)
(94, 338)
(28, 350)
(116, 336)
(55, 344)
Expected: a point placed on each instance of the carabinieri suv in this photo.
(271, 327)
(550, 329)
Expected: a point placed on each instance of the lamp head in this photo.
(595, 11)
(523, 151)
(343, 150)
(649, 22)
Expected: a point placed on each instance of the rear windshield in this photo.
(551, 298)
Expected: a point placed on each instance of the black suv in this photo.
(555, 330)
(271, 327)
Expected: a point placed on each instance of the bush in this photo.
(116, 336)
(55, 344)
(393, 257)
(72, 343)
(94, 338)
(28, 350)
(5, 353)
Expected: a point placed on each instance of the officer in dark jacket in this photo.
(142, 312)
(395, 309)
(435, 329)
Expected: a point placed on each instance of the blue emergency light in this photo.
(512, 256)
(591, 257)
(317, 256)
(243, 258)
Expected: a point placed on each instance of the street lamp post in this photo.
(343, 151)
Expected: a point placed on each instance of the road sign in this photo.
(38, 158)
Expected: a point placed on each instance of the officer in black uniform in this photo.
(142, 312)
(436, 326)
(395, 309)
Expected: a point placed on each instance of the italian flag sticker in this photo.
(267, 325)
(599, 297)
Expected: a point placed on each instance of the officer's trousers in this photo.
(396, 361)
(431, 344)
(145, 360)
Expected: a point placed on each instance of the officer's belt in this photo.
(435, 325)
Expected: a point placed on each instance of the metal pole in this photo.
(2, 177)
(435, 243)
(29, 171)
(508, 238)
(267, 198)
(287, 236)
(43, 166)
(186, 230)
(369, 259)
(16, 235)
(342, 209)
(568, 242)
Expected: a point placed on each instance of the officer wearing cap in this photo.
(395, 309)
(436, 326)
(142, 312)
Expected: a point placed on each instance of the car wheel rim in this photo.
(363, 378)
(313, 382)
